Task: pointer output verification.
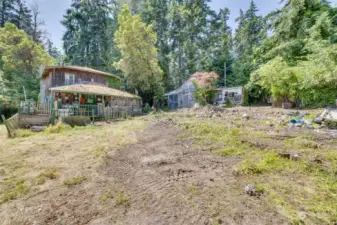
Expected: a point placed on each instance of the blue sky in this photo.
(52, 12)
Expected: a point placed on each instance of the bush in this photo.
(77, 120)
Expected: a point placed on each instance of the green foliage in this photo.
(300, 58)
(114, 82)
(205, 95)
(136, 42)
(20, 62)
(205, 85)
(147, 108)
(247, 41)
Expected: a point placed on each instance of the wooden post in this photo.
(6, 124)
(53, 117)
(93, 116)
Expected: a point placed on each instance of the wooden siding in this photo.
(34, 120)
(58, 79)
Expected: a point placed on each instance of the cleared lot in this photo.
(189, 167)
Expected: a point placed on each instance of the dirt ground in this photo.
(148, 170)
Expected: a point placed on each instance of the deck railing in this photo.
(100, 111)
(32, 108)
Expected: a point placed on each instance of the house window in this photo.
(69, 79)
(92, 80)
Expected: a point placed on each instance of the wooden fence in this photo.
(12, 124)
(110, 113)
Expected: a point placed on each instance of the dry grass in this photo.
(57, 155)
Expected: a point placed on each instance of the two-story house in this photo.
(73, 87)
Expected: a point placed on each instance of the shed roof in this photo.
(93, 89)
(47, 69)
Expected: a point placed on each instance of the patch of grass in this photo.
(309, 117)
(58, 128)
(106, 197)
(122, 199)
(99, 150)
(14, 189)
(332, 156)
(225, 138)
(75, 181)
(49, 174)
(301, 142)
(24, 133)
(230, 151)
(194, 190)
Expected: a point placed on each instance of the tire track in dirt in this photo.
(157, 173)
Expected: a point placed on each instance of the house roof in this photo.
(47, 69)
(93, 89)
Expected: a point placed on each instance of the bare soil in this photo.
(162, 179)
(149, 175)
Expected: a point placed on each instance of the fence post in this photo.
(53, 117)
(93, 116)
(6, 124)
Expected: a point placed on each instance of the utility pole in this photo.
(24, 92)
(225, 75)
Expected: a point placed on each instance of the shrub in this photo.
(77, 120)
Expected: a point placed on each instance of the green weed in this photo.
(122, 199)
(14, 189)
(75, 181)
(106, 197)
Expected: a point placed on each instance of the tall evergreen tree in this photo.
(248, 38)
(22, 16)
(6, 13)
(88, 36)
(156, 12)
